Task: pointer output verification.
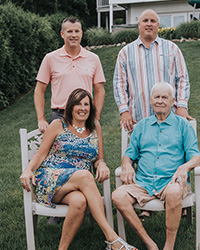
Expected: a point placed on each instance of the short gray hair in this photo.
(164, 84)
(151, 11)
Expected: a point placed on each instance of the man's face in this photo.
(72, 34)
(161, 101)
(148, 26)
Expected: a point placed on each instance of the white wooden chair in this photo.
(30, 143)
(192, 199)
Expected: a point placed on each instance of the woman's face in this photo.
(81, 111)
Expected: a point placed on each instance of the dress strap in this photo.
(63, 123)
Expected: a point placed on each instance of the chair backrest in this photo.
(30, 143)
(125, 136)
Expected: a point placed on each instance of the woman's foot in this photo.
(119, 244)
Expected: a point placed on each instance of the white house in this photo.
(171, 12)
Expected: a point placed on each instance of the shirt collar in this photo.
(168, 121)
(64, 53)
(157, 40)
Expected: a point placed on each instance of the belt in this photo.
(60, 111)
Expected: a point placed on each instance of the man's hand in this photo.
(184, 113)
(42, 125)
(127, 121)
(128, 172)
(180, 176)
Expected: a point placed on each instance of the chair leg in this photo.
(30, 232)
(35, 221)
(189, 215)
(121, 226)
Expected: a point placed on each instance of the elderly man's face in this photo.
(161, 100)
(148, 26)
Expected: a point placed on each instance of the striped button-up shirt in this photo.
(139, 68)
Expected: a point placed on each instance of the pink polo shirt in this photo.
(67, 74)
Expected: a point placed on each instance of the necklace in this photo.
(79, 129)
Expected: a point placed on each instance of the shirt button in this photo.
(156, 176)
(160, 131)
(159, 144)
(155, 172)
(157, 157)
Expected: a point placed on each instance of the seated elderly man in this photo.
(167, 149)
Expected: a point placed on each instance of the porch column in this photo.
(111, 16)
(127, 16)
(99, 19)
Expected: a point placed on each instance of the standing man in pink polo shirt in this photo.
(68, 68)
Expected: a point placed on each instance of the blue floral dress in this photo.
(68, 154)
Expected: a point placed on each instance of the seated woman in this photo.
(61, 169)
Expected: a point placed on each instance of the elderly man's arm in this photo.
(181, 173)
(128, 172)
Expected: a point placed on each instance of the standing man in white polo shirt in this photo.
(68, 68)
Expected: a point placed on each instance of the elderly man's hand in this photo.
(184, 113)
(180, 176)
(128, 174)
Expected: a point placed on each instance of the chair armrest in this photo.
(118, 181)
(197, 171)
(118, 171)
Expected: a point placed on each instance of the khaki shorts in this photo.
(142, 196)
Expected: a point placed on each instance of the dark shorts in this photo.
(55, 115)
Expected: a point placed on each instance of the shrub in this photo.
(24, 39)
(167, 33)
(188, 30)
(125, 36)
(98, 36)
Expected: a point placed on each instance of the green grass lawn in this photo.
(22, 115)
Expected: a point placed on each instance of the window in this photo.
(165, 21)
(168, 21)
(177, 20)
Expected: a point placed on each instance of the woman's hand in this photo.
(25, 178)
(102, 171)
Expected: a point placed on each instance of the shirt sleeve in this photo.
(190, 142)
(120, 82)
(133, 149)
(98, 74)
(44, 73)
(181, 80)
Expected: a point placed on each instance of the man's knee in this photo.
(174, 195)
(120, 197)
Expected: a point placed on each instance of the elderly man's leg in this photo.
(173, 203)
(123, 202)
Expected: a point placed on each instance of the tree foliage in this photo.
(24, 39)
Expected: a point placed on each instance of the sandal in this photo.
(124, 246)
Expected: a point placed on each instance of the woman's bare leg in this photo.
(83, 180)
(74, 218)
